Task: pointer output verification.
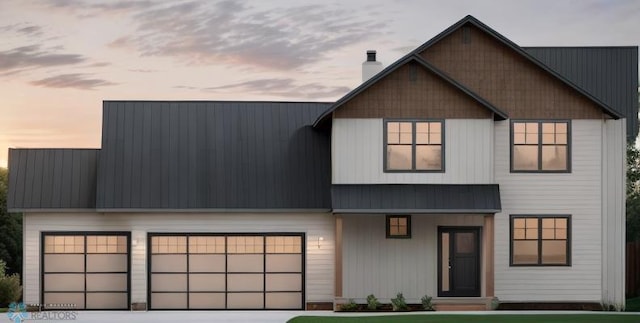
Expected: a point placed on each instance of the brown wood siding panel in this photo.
(426, 96)
(507, 79)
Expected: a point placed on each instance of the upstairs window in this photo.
(413, 146)
(540, 146)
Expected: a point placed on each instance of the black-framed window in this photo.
(414, 145)
(540, 240)
(398, 226)
(541, 146)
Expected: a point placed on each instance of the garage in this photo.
(226, 271)
(85, 270)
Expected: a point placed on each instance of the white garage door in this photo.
(85, 270)
(231, 271)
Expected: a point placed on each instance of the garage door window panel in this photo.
(88, 270)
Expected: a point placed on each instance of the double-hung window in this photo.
(540, 240)
(413, 146)
(540, 146)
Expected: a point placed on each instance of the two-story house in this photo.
(469, 169)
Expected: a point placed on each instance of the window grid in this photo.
(414, 146)
(63, 244)
(543, 231)
(398, 226)
(168, 244)
(540, 146)
(106, 244)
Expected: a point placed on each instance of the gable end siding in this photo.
(412, 92)
(507, 79)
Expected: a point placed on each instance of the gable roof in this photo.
(213, 156)
(467, 20)
(413, 57)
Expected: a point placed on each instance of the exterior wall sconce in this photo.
(320, 239)
(134, 242)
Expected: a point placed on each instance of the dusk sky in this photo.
(60, 58)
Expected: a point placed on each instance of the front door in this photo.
(458, 261)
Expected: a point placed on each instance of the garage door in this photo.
(232, 271)
(85, 271)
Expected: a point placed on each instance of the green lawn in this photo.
(633, 305)
(3, 309)
(453, 318)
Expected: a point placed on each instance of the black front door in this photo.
(458, 261)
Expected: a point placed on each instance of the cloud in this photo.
(284, 87)
(24, 29)
(142, 70)
(31, 30)
(88, 9)
(77, 81)
(33, 56)
(231, 32)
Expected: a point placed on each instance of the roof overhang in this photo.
(416, 198)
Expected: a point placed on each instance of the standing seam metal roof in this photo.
(609, 73)
(52, 179)
(208, 155)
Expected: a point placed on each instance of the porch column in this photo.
(338, 260)
(488, 251)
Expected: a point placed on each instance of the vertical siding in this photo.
(577, 193)
(358, 150)
(374, 264)
(613, 212)
(319, 261)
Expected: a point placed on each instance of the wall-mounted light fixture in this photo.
(134, 242)
(320, 239)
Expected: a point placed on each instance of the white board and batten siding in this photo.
(578, 193)
(319, 265)
(373, 264)
(613, 211)
(357, 150)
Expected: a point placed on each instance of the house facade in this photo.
(469, 169)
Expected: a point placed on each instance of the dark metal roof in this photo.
(473, 21)
(609, 73)
(52, 179)
(416, 198)
(499, 114)
(203, 155)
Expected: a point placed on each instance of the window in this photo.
(540, 240)
(398, 226)
(413, 146)
(540, 146)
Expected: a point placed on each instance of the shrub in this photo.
(427, 303)
(399, 303)
(10, 289)
(495, 303)
(372, 303)
(349, 306)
